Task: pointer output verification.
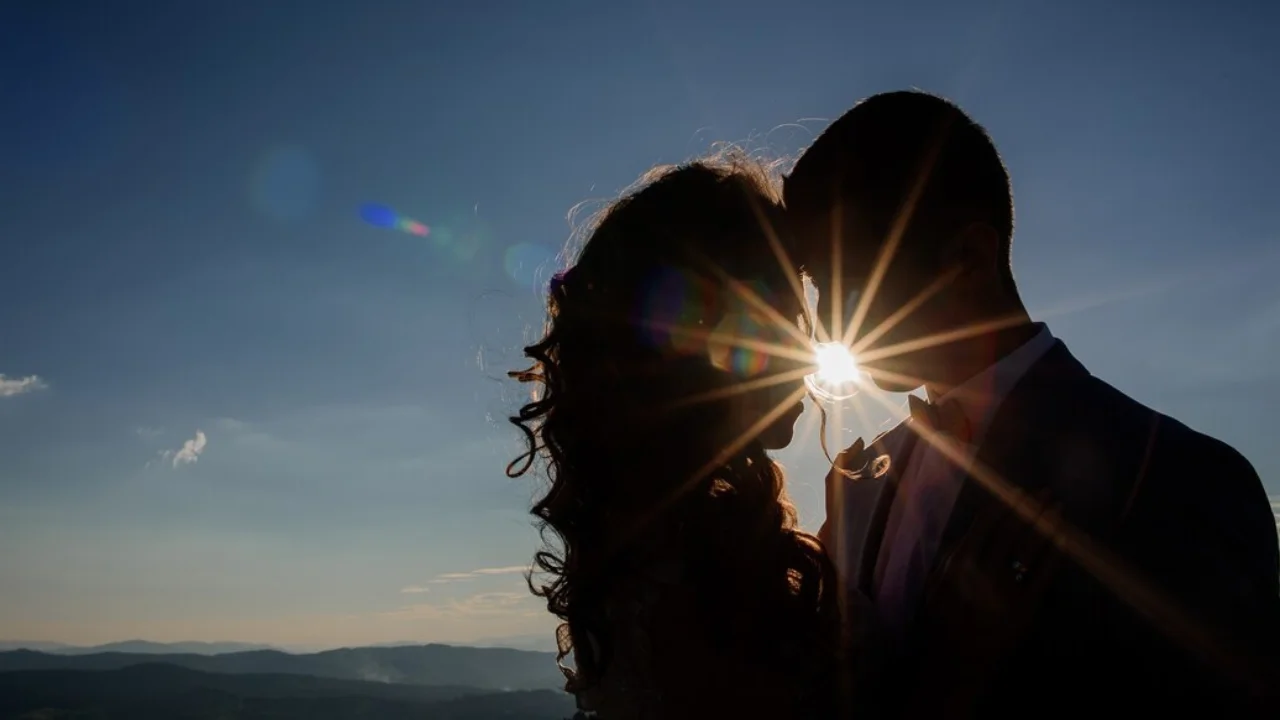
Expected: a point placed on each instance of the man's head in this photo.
(907, 176)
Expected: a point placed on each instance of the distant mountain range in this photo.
(544, 642)
(136, 646)
(438, 665)
(152, 691)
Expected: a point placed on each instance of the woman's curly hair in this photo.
(626, 454)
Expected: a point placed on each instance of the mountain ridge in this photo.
(431, 664)
(193, 647)
(160, 691)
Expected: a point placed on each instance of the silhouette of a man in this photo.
(915, 202)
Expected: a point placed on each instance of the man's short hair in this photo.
(871, 158)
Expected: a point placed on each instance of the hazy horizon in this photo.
(231, 408)
(536, 643)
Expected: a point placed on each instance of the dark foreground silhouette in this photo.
(157, 691)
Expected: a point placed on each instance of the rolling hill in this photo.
(440, 665)
(153, 691)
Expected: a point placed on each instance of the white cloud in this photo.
(185, 455)
(148, 433)
(415, 590)
(191, 449)
(497, 600)
(18, 386)
(482, 572)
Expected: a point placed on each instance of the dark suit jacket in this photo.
(1182, 515)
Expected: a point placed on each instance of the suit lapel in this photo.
(1013, 447)
(898, 445)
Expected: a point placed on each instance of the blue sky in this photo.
(182, 252)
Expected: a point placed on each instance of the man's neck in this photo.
(966, 358)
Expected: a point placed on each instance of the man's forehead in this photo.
(817, 226)
(850, 260)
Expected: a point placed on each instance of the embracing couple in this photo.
(1031, 542)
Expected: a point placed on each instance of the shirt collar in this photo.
(981, 394)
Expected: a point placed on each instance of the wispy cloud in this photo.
(516, 604)
(148, 433)
(187, 454)
(231, 424)
(19, 386)
(496, 603)
(482, 572)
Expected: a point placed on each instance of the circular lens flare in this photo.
(838, 375)
(729, 355)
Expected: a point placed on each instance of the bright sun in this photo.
(838, 375)
(836, 365)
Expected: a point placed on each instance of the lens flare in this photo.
(674, 304)
(838, 375)
(384, 217)
(732, 356)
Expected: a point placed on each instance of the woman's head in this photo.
(657, 311)
(662, 379)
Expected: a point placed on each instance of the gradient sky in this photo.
(230, 410)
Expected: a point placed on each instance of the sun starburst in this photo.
(838, 376)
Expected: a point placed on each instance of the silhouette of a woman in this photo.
(674, 559)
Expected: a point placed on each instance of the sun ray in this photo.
(769, 348)
(788, 268)
(718, 460)
(860, 411)
(838, 415)
(900, 314)
(942, 338)
(1104, 565)
(809, 423)
(1099, 299)
(744, 387)
(837, 269)
(913, 381)
(732, 339)
(752, 298)
(895, 377)
(890, 247)
(741, 441)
